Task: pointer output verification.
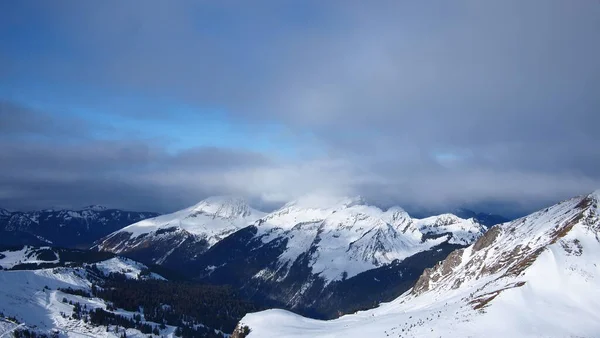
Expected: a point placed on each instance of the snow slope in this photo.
(537, 276)
(130, 268)
(206, 222)
(213, 218)
(25, 255)
(32, 296)
(345, 236)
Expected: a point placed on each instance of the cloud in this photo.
(433, 105)
(18, 120)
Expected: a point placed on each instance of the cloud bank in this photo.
(434, 106)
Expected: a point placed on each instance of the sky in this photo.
(155, 105)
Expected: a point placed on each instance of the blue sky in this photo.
(178, 124)
(429, 106)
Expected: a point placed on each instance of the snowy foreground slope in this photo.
(537, 276)
(33, 298)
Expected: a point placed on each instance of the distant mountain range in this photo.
(65, 228)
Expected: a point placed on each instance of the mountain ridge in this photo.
(516, 280)
(64, 227)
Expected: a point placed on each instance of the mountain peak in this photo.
(395, 214)
(95, 207)
(595, 195)
(227, 207)
(326, 202)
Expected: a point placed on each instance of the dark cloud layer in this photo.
(426, 105)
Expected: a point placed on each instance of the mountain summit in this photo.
(183, 234)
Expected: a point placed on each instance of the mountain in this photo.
(68, 228)
(536, 276)
(174, 239)
(323, 257)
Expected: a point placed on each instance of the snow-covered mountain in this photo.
(347, 237)
(68, 228)
(310, 253)
(537, 276)
(181, 236)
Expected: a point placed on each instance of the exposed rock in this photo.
(487, 239)
(241, 331)
(452, 261)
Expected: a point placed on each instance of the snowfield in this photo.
(25, 255)
(538, 276)
(345, 237)
(212, 219)
(32, 296)
(130, 268)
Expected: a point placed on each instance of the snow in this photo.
(130, 268)
(595, 195)
(24, 255)
(24, 296)
(212, 219)
(346, 237)
(95, 207)
(463, 231)
(555, 294)
(32, 296)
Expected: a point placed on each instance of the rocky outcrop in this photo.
(507, 250)
(241, 331)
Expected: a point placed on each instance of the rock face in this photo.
(509, 249)
(532, 277)
(241, 331)
(68, 228)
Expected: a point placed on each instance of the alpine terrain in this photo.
(537, 276)
(66, 292)
(176, 239)
(319, 256)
